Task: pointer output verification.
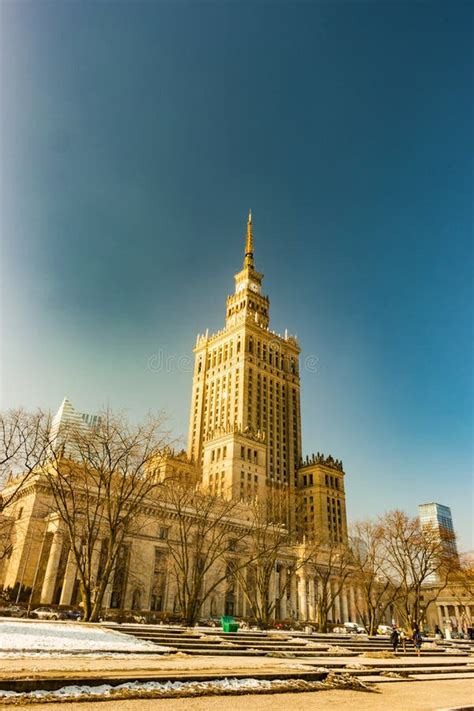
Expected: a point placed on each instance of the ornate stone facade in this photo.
(245, 419)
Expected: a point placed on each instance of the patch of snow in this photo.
(67, 637)
(25, 654)
(179, 687)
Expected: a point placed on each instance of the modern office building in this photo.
(437, 518)
(67, 417)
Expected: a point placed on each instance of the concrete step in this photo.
(414, 677)
(422, 672)
(440, 676)
(239, 647)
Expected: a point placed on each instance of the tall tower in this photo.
(245, 424)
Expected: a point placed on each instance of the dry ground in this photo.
(399, 696)
(145, 665)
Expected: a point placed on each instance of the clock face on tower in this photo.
(248, 285)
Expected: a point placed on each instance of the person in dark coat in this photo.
(394, 638)
(417, 641)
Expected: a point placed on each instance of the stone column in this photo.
(283, 610)
(95, 572)
(274, 589)
(302, 598)
(311, 606)
(353, 605)
(330, 599)
(344, 605)
(337, 609)
(49, 583)
(108, 590)
(359, 600)
(457, 615)
(294, 597)
(319, 595)
(440, 616)
(69, 580)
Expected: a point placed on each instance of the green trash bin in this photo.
(229, 624)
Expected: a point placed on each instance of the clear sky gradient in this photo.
(135, 136)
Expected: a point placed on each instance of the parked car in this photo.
(46, 613)
(71, 615)
(354, 628)
(13, 611)
(384, 630)
(212, 621)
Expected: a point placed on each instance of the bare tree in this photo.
(267, 543)
(461, 587)
(200, 544)
(371, 572)
(24, 439)
(103, 481)
(330, 562)
(465, 576)
(416, 555)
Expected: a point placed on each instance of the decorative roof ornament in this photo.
(248, 256)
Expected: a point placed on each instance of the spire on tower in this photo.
(248, 256)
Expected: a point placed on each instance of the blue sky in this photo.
(135, 136)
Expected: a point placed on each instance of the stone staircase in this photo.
(311, 652)
(297, 656)
(212, 641)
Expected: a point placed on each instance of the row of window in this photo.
(219, 355)
(249, 454)
(253, 306)
(331, 481)
(272, 356)
(267, 354)
(216, 453)
(249, 476)
(334, 517)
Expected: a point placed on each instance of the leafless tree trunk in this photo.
(204, 530)
(102, 489)
(370, 571)
(331, 565)
(268, 542)
(414, 555)
(461, 583)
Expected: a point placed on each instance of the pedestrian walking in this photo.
(403, 639)
(417, 641)
(394, 638)
(438, 632)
